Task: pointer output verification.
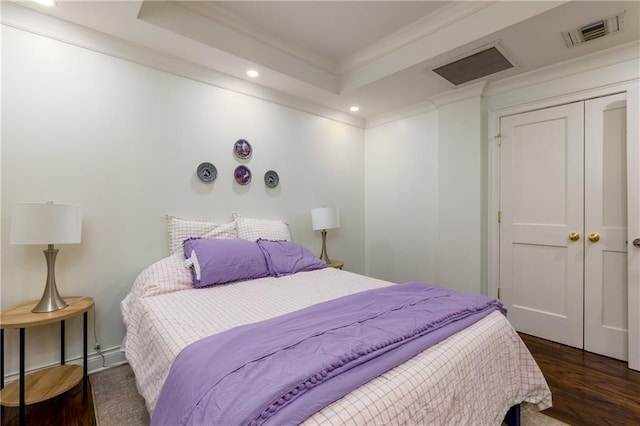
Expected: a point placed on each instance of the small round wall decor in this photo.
(271, 179)
(207, 172)
(242, 148)
(242, 175)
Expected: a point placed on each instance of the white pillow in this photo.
(180, 229)
(164, 276)
(254, 229)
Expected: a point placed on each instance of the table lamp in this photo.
(324, 218)
(47, 223)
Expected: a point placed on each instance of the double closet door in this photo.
(563, 229)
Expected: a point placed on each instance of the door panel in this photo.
(614, 294)
(539, 274)
(605, 327)
(539, 172)
(541, 187)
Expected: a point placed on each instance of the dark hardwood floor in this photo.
(68, 409)
(587, 389)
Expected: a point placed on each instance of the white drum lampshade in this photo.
(325, 218)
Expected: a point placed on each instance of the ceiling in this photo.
(378, 55)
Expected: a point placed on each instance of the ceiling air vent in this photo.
(480, 64)
(594, 30)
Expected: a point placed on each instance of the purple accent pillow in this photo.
(285, 258)
(216, 261)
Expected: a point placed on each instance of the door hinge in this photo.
(499, 293)
(499, 216)
(499, 139)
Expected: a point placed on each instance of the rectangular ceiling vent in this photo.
(594, 30)
(477, 65)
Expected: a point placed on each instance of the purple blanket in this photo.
(284, 369)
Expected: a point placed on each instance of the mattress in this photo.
(473, 377)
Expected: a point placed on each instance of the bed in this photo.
(471, 377)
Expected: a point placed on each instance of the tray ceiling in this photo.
(378, 55)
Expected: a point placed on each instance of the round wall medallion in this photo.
(242, 148)
(207, 172)
(271, 179)
(242, 175)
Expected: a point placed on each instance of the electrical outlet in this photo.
(97, 346)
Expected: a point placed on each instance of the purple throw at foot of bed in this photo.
(282, 370)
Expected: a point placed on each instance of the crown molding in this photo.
(481, 23)
(460, 94)
(205, 57)
(231, 20)
(31, 21)
(430, 24)
(187, 22)
(399, 114)
(600, 59)
(626, 54)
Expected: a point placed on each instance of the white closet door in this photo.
(633, 223)
(541, 179)
(605, 268)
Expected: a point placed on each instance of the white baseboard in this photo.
(113, 357)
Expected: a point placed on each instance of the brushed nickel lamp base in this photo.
(323, 255)
(51, 300)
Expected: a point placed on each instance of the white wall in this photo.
(401, 199)
(424, 198)
(123, 142)
(460, 201)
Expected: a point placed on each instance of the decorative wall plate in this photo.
(242, 175)
(271, 179)
(207, 172)
(242, 148)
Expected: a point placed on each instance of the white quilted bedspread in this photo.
(471, 378)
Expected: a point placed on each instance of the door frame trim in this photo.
(493, 187)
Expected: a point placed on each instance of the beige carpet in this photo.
(538, 419)
(116, 399)
(117, 402)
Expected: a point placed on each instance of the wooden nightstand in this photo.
(49, 382)
(336, 264)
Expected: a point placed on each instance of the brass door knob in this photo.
(574, 236)
(593, 237)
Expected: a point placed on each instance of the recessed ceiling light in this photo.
(354, 108)
(46, 2)
(253, 73)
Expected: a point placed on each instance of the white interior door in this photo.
(633, 224)
(605, 267)
(541, 203)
